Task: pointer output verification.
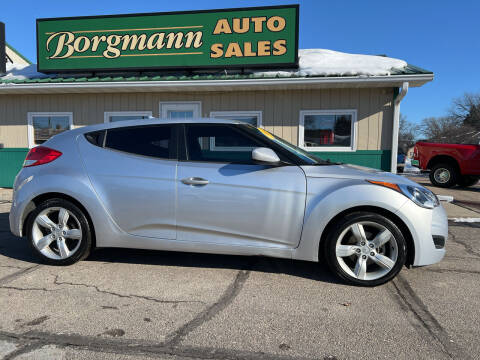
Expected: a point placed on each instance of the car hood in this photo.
(354, 172)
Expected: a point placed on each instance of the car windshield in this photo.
(305, 156)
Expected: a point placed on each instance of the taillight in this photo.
(40, 155)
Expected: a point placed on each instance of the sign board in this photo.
(229, 38)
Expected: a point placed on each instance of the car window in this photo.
(152, 141)
(219, 143)
(96, 137)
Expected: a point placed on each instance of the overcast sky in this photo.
(441, 36)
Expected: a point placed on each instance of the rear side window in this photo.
(96, 137)
(154, 141)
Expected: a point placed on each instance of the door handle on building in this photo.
(195, 181)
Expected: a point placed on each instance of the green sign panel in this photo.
(231, 38)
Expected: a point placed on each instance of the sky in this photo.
(441, 36)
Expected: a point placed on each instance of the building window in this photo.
(112, 116)
(251, 117)
(328, 130)
(42, 126)
(180, 109)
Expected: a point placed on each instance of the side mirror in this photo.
(265, 155)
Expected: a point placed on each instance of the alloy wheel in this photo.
(366, 250)
(442, 175)
(57, 233)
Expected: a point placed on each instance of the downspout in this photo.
(396, 124)
(3, 55)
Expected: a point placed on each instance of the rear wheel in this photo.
(444, 175)
(467, 180)
(365, 249)
(59, 232)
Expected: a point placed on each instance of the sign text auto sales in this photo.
(264, 37)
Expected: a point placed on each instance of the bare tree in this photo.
(448, 129)
(406, 134)
(460, 126)
(466, 109)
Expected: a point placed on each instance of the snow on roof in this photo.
(312, 62)
(22, 72)
(323, 62)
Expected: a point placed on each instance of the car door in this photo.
(133, 172)
(225, 198)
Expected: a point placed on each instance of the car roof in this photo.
(152, 121)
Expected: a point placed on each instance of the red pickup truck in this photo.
(449, 164)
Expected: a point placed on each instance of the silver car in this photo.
(224, 187)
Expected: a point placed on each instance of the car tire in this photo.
(59, 232)
(444, 175)
(343, 235)
(467, 180)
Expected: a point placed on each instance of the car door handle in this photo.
(195, 181)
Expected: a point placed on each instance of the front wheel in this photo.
(59, 232)
(365, 249)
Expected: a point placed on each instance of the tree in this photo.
(447, 129)
(466, 109)
(406, 134)
(460, 126)
(343, 126)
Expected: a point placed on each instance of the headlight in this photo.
(420, 196)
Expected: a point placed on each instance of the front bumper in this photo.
(424, 224)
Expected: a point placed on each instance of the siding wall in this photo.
(280, 108)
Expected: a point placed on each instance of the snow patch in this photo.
(446, 198)
(312, 62)
(323, 62)
(465, 220)
(409, 168)
(22, 72)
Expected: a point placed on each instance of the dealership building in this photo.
(235, 63)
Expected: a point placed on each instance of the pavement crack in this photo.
(32, 340)
(23, 349)
(468, 248)
(26, 288)
(12, 267)
(127, 296)
(410, 301)
(452, 270)
(173, 339)
(448, 257)
(469, 205)
(17, 274)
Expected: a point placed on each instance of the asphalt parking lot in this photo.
(131, 304)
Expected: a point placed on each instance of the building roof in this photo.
(14, 56)
(315, 66)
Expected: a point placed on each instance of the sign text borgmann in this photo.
(249, 37)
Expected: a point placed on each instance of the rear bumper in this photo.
(13, 219)
(22, 195)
